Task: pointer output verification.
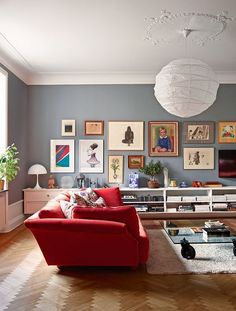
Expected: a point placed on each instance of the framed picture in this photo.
(62, 156)
(115, 169)
(135, 161)
(227, 132)
(94, 128)
(163, 138)
(198, 132)
(91, 156)
(198, 158)
(68, 128)
(125, 135)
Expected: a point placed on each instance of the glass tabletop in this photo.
(195, 232)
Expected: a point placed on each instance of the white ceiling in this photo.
(102, 41)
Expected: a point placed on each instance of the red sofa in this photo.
(111, 236)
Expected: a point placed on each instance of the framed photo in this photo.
(62, 156)
(94, 128)
(198, 132)
(163, 138)
(198, 158)
(125, 135)
(227, 132)
(115, 169)
(68, 128)
(91, 156)
(135, 161)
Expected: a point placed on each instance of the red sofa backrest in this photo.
(123, 214)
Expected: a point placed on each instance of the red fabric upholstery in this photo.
(109, 241)
(112, 196)
(51, 210)
(123, 214)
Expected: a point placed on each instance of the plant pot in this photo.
(153, 184)
(2, 184)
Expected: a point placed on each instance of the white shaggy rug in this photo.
(165, 257)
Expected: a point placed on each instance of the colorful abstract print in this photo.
(62, 155)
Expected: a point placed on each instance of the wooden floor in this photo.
(27, 283)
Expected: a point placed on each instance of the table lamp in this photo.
(37, 169)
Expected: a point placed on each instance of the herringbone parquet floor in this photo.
(27, 283)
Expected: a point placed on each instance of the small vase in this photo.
(2, 184)
(153, 184)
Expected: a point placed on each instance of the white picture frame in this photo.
(91, 156)
(62, 155)
(68, 128)
(198, 158)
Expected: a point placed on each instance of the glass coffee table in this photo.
(187, 232)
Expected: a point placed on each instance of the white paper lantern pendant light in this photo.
(187, 87)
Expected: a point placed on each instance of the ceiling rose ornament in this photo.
(186, 87)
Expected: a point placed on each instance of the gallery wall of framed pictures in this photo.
(122, 146)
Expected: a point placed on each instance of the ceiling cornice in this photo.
(88, 78)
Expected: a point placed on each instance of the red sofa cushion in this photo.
(51, 210)
(124, 214)
(112, 196)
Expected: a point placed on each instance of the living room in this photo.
(68, 67)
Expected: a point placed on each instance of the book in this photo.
(214, 224)
(196, 229)
(215, 232)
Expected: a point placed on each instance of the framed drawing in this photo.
(91, 156)
(125, 135)
(94, 128)
(198, 132)
(68, 128)
(198, 158)
(115, 169)
(227, 132)
(163, 138)
(135, 161)
(62, 156)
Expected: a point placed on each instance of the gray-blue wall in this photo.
(48, 105)
(18, 131)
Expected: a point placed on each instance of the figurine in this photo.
(51, 182)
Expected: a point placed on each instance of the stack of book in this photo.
(220, 207)
(201, 207)
(173, 198)
(215, 232)
(219, 198)
(231, 197)
(185, 208)
(214, 224)
(189, 199)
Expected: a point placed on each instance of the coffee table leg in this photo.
(234, 248)
(187, 250)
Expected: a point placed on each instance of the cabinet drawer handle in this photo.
(48, 195)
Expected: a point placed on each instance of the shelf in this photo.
(144, 202)
(186, 215)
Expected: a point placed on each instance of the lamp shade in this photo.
(186, 87)
(37, 169)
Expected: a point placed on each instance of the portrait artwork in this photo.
(163, 139)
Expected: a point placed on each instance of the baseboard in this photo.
(15, 217)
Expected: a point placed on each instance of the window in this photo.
(3, 109)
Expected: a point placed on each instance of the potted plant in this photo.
(152, 169)
(9, 165)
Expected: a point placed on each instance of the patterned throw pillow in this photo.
(67, 208)
(87, 197)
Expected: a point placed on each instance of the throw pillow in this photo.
(67, 208)
(87, 197)
(112, 196)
